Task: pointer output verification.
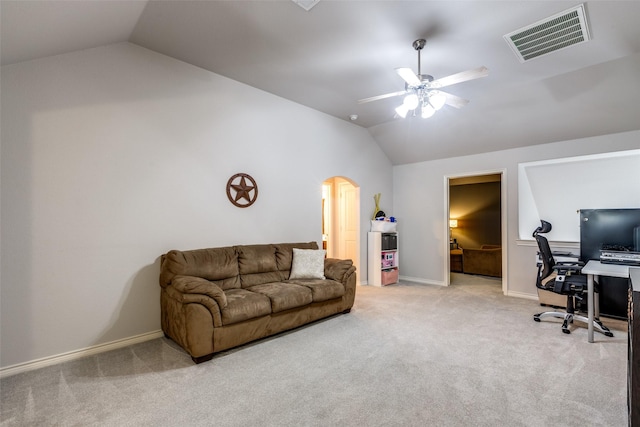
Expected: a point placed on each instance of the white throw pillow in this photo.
(307, 264)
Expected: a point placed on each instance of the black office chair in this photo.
(562, 278)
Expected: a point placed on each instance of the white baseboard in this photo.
(411, 279)
(422, 281)
(522, 295)
(408, 279)
(77, 354)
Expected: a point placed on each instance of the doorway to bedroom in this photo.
(475, 206)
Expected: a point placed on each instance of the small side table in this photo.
(455, 261)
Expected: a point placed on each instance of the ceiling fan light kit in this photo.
(437, 99)
(402, 110)
(427, 111)
(411, 101)
(421, 90)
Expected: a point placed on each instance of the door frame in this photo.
(335, 234)
(503, 222)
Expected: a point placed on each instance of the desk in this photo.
(596, 268)
(633, 370)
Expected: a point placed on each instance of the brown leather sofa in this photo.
(215, 299)
(486, 261)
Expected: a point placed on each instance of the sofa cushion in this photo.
(244, 305)
(322, 290)
(284, 296)
(257, 265)
(307, 264)
(219, 265)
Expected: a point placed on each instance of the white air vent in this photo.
(549, 35)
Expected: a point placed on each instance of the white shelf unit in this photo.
(382, 264)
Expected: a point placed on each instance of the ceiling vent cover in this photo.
(557, 32)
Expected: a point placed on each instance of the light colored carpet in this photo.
(406, 355)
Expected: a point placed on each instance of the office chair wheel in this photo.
(568, 318)
(536, 317)
(599, 326)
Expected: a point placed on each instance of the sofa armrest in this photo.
(198, 285)
(337, 269)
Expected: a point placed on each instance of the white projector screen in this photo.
(556, 190)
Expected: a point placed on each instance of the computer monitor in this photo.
(611, 227)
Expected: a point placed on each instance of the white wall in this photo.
(599, 181)
(115, 155)
(419, 203)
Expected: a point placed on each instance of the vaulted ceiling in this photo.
(338, 52)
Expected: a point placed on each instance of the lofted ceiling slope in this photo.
(341, 51)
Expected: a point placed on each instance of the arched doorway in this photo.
(341, 219)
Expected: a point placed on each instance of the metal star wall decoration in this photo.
(245, 193)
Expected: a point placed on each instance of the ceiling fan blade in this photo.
(454, 100)
(386, 95)
(460, 77)
(409, 76)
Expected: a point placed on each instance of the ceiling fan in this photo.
(421, 90)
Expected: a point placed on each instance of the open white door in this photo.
(341, 219)
(348, 221)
